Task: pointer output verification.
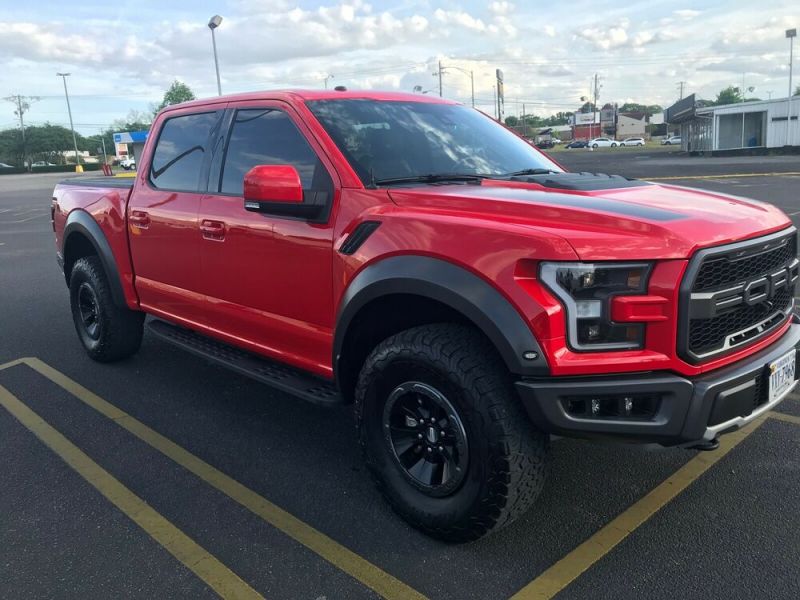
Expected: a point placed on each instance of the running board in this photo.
(283, 377)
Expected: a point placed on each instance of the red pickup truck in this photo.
(472, 298)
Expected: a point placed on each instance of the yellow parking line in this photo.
(566, 570)
(722, 176)
(348, 561)
(784, 417)
(215, 574)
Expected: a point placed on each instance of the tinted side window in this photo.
(268, 137)
(180, 150)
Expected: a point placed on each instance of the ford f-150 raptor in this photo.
(472, 298)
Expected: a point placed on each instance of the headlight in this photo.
(586, 290)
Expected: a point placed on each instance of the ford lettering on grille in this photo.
(706, 305)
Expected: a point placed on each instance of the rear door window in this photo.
(181, 150)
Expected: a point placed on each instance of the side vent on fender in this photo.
(358, 237)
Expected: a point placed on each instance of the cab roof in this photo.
(299, 95)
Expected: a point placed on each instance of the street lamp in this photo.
(471, 80)
(78, 167)
(327, 77)
(791, 34)
(213, 23)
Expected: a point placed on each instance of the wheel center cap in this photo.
(431, 434)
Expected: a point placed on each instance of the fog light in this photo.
(628, 406)
(635, 407)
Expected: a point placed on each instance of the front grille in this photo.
(736, 294)
(722, 270)
(705, 335)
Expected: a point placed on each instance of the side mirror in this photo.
(277, 190)
(272, 184)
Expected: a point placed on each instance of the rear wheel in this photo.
(108, 332)
(594, 145)
(444, 435)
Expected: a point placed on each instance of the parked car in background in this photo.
(545, 144)
(6, 166)
(634, 141)
(577, 144)
(602, 142)
(43, 163)
(673, 140)
(128, 163)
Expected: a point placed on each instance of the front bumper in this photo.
(689, 410)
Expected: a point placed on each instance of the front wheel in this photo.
(444, 435)
(594, 145)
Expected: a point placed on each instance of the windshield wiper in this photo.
(429, 178)
(525, 172)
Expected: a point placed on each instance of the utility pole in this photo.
(594, 108)
(23, 104)
(78, 167)
(440, 79)
(791, 34)
(524, 124)
(680, 85)
(496, 106)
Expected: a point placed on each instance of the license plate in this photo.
(781, 375)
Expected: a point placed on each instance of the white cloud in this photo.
(687, 13)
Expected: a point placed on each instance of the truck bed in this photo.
(123, 183)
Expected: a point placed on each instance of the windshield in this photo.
(386, 141)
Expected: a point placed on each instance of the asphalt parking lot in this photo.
(164, 476)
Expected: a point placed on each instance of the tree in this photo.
(178, 92)
(44, 142)
(649, 109)
(729, 95)
(512, 121)
(796, 91)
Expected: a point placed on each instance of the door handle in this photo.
(213, 230)
(140, 219)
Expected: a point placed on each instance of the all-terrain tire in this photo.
(107, 331)
(507, 456)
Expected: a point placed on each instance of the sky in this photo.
(122, 55)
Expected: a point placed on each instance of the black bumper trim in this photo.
(685, 411)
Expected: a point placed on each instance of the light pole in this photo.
(213, 23)
(78, 167)
(327, 77)
(471, 79)
(791, 34)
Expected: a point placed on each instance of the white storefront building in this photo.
(745, 125)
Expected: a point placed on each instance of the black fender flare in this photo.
(453, 286)
(80, 222)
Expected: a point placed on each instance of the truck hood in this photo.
(647, 221)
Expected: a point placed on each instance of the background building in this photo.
(741, 126)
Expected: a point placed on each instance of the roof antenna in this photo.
(340, 88)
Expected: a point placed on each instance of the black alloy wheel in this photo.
(426, 438)
(89, 309)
